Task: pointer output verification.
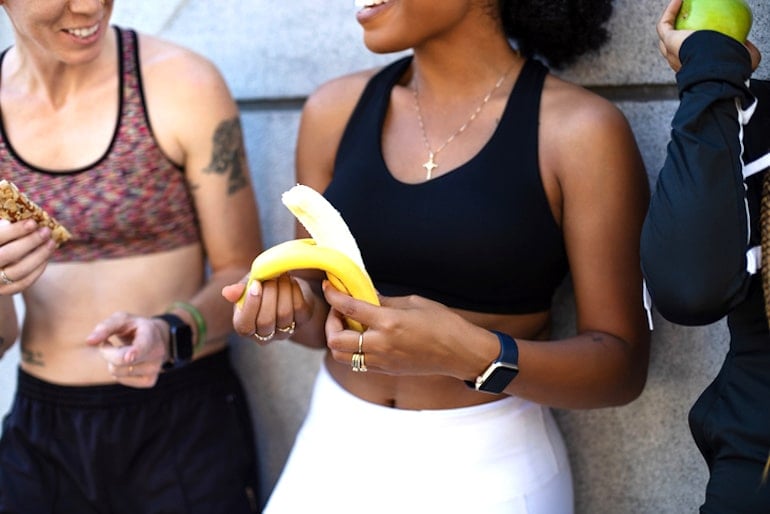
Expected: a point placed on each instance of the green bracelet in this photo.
(200, 323)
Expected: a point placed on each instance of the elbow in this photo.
(694, 304)
(7, 340)
(634, 375)
(694, 315)
(692, 294)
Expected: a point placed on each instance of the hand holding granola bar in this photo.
(15, 206)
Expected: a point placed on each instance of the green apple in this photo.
(730, 17)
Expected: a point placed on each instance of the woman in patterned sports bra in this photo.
(126, 400)
(472, 180)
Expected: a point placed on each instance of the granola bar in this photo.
(15, 206)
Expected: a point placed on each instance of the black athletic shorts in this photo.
(183, 446)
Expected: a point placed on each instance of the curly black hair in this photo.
(559, 31)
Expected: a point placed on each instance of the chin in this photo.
(381, 46)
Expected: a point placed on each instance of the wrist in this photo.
(180, 341)
(502, 370)
(198, 323)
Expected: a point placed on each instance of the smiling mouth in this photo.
(370, 3)
(83, 32)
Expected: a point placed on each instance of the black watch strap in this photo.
(502, 370)
(180, 341)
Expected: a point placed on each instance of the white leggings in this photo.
(352, 456)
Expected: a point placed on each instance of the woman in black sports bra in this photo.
(473, 181)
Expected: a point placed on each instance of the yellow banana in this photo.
(331, 249)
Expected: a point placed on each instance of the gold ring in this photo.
(361, 343)
(130, 370)
(7, 281)
(288, 330)
(264, 338)
(357, 363)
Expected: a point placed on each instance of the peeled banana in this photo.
(331, 248)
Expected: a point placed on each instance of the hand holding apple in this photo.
(730, 17)
(671, 37)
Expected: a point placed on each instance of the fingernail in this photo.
(255, 289)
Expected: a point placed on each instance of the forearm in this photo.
(9, 324)
(216, 311)
(589, 370)
(695, 237)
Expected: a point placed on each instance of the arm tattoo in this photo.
(34, 358)
(228, 156)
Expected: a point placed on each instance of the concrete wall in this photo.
(634, 459)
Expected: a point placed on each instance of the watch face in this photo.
(499, 377)
(181, 338)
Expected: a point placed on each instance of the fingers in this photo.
(668, 18)
(272, 310)
(350, 347)
(140, 375)
(24, 253)
(349, 307)
(133, 348)
(117, 324)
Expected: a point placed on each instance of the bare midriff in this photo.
(435, 392)
(70, 299)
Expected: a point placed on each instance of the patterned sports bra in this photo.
(134, 200)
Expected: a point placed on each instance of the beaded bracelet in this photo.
(200, 323)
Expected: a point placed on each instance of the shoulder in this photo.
(180, 70)
(573, 117)
(587, 146)
(567, 107)
(188, 101)
(338, 97)
(329, 107)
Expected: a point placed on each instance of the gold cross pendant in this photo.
(429, 166)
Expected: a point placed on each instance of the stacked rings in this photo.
(357, 362)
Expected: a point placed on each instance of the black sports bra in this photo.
(481, 237)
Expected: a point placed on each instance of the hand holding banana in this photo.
(331, 249)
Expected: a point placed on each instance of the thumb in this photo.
(116, 324)
(233, 292)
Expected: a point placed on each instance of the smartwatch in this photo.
(502, 370)
(180, 341)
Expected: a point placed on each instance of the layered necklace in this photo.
(431, 164)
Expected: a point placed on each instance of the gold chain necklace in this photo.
(430, 164)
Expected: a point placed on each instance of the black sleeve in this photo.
(695, 236)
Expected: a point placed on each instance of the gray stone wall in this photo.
(634, 459)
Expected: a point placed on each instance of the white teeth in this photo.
(83, 33)
(370, 3)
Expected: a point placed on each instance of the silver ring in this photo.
(7, 281)
(357, 363)
(288, 330)
(264, 338)
(361, 343)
